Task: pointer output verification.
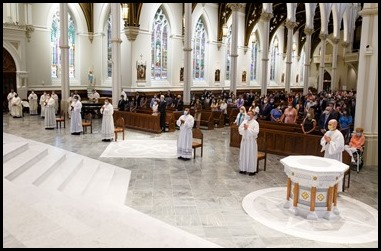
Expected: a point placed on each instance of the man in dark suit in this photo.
(324, 118)
(122, 103)
(179, 104)
(162, 109)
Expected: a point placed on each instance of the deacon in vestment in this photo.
(107, 131)
(33, 105)
(16, 109)
(333, 145)
(42, 104)
(76, 119)
(184, 141)
(248, 152)
(50, 113)
(56, 101)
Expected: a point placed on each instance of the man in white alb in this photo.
(184, 141)
(33, 104)
(248, 151)
(107, 131)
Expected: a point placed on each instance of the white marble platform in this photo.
(56, 198)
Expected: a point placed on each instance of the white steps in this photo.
(117, 191)
(13, 149)
(98, 185)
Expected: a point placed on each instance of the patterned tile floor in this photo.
(202, 196)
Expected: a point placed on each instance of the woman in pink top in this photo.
(357, 142)
(290, 115)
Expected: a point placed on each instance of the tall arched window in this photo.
(55, 45)
(228, 50)
(199, 51)
(109, 54)
(159, 46)
(273, 53)
(253, 66)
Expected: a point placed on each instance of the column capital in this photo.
(265, 16)
(368, 12)
(345, 44)
(236, 6)
(308, 31)
(290, 24)
(323, 36)
(335, 40)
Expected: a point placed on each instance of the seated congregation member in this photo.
(76, 119)
(50, 112)
(276, 114)
(248, 151)
(16, 108)
(184, 141)
(309, 123)
(241, 116)
(107, 131)
(356, 144)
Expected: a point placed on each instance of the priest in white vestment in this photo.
(248, 152)
(42, 104)
(333, 145)
(76, 119)
(184, 141)
(107, 131)
(56, 101)
(9, 98)
(16, 109)
(50, 113)
(33, 104)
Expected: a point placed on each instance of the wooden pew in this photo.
(139, 121)
(218, 118)
(170, 121)
(232, 115)
(285, 142)
(207, 120)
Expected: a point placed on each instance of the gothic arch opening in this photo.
(9, 77)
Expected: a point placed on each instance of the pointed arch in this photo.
(199, 49)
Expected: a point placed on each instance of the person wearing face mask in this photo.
(50, 113)
(309, 123)
(122, 103)
(265, 109)
(356, 144)
(33, 104)
(184, 141)
(345, 122)
(107, 131)
(333, 145)
(241, 116)
(248, 151)
(162, 109)
(290, 115)
(9, 98)
(276, 114)
(16, 109)
(324, 118)
(76, 119)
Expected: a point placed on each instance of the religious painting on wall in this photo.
(141, 69)
(244, 76)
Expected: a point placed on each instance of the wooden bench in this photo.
(207, 120)
(218, 118)
(139, 121)
(232, 115)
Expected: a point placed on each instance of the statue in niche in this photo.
(244, 76)
(217, 75)
(181, 74)
(90, 77)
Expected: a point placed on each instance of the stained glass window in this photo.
(199, 51)
(159, 46)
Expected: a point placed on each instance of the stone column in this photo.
(234, 47)
(263, 77)
(323, 37)
(344, 77)
(64, 46)
(307, 59)
(116, 54)
(335, 42)
(367, 83)
(187, 53)
(290, 32)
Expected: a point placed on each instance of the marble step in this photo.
(98, 185)
(40, 218)
(42, 168)
(77, 183)
(68, 167)
(11, 150)
(117, 191)
(19, 164)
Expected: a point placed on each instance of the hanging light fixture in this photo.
(125, 13)
(276, 42)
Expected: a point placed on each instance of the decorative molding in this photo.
(308, 31)
(290, 25)
(236, 6)
(91, 37)
(219, 44)
(21, 27)
(345, 44)
(131, 32)
(245, 49)
(335, 40)
(265, 16)
(368, 12)
(323, 36)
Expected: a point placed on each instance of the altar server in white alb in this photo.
(333, 145)
(16, 109)
(50, 112)
(76, 120)
(107, 131)
(248, 152)
(42, 104)
(33, 104)
(184, 141)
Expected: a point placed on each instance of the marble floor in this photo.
(202, 196)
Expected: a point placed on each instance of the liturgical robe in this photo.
(107, 131)
(184, 142)
(249, 149)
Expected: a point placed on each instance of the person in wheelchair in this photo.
(356, 143)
